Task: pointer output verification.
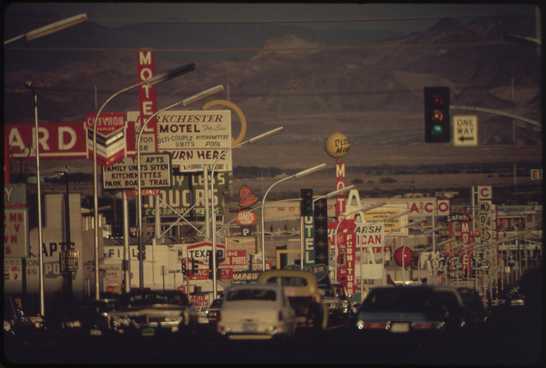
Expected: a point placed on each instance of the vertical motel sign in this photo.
(147, 101)
(306, 211)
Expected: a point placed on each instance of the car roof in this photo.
(254, 287)
(309, 276)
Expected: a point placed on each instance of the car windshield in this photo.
(398, 299)
(159, 298)
(251, 294)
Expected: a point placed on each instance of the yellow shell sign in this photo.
(337, 145)
(242, 119)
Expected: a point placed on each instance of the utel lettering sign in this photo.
(155, 172)
(57, 140)
(196, 138)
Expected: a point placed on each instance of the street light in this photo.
(251, 140)
(49, 29)
(150, 82)
(334, 193)
(183, 102)
(28, 84)
(294, 176)
(29, 36)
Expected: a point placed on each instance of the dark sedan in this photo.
(400, 310)
(148, 312)
(475, 311)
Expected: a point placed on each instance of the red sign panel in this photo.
(147, 98)
(346, 242)
(110, 137)
(235, 258)
(340, 184)
(57, 140)
(246, 217)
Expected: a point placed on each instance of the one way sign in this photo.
(465, 130)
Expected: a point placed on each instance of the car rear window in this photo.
(398, 299)
(251, 294)
(288, 281)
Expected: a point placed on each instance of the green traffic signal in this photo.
(437, 129)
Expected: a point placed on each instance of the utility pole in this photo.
(67, 272)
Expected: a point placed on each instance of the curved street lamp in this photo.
(184, 102)
(29, 36)
(150, 82)
(28, 84)
(213, 210)
(49, 29)
(294, 176)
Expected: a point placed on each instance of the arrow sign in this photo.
(465, 130)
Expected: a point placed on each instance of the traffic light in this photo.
(184, 268)
(321, 231)
(306, 205)
(437, 127)
(211, 265)
(193, 266)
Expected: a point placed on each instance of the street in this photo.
(513, 337)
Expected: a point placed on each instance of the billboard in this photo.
(111, 142)
(57, 140)
(196, 138)
(155, 172)
(187, 195)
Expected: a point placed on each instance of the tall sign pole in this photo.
(147, 101)
(337, 145)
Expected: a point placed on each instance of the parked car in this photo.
(88, 317)
(302, 291)
(148, 312)
(475, 311)
(214, 310)
(17, 322)
(256, 312)
(337, 302)
(451, 303)
(400, 310)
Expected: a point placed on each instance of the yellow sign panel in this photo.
(395, 223)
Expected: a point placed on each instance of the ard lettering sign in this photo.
(56, 140)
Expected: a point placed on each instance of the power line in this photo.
(313, 93)
(382, 45)
(287, 21)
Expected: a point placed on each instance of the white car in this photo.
(256, 312)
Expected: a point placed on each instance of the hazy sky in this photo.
(125, 13)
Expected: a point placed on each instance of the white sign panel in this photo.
(465, 130)
(155, 172)
(196, 138)
(485, 192)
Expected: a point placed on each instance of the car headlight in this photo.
(360, 324)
